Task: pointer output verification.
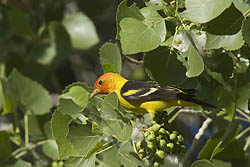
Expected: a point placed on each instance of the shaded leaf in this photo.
(246, 30)
(163, 66)
(81, 162)
(32, 96)
(82, 31)
(243, 97)
(124, 11)
(5, 146)
(202, 12)
(228, 42)
(19, 23)
(110, 58)
(4, 26)
(17, 163)
(213, 163)
(57, 46)
(228, 23)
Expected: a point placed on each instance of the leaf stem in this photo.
(242, 133)
(26, 130)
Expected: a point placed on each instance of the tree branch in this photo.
(195, 142)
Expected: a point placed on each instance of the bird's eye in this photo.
(100, 82)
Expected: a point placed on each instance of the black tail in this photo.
(190, 98)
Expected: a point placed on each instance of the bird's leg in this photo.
(152, 114)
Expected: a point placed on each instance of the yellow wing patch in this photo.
(131, 92)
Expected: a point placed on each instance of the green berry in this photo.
(147, 133)
(54, 164)
(162, 143)
(162, 131)
(167, 132)
(156, 164)
(151, 137)
(172, 136)
(170, 145)
(138, 145)
(160, 154)
(141, 153)
(156, 127)
(180, 138)
(60, 163)
(150, 145)
(159, 137)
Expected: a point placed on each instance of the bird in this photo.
(145, 96)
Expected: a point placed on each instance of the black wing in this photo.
(149, 91)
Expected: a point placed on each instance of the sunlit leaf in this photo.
(228, 42)
(245, 30)
(110, 55)
(124, 11)
(82, 31)
(203, 11)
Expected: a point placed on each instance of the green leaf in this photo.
(82, 135)
(152, 18)
(4, 26)
(30, 95)
(245, 31)
(202, 163)
(128, 157)
(228, 42)
(19, 23)
(74, 99)
(243, 97)
(137, 36)
(222, 64)
(51, 150)
(219, 141)
(17, 163)
(5, 146)
(1, 96)
(112, 121)
(110, 58)
(228, 23)
(192, 61)
(35, 128)
(57, 46)
(163, 66)
(82, 31)
(242, 5)
(60, 129)
(81, 162)
(124, 11)
(213, 163)
(80, 96)
(157, 4)
(202, 12)
(109, 158)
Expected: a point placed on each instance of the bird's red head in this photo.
(105, 84)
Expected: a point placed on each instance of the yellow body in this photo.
(144, 107)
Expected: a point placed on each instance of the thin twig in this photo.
(195, 142)
(133, 60)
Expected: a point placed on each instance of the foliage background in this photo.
(47, 47)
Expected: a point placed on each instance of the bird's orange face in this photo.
(104, 84)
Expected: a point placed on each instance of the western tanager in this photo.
(143, 97)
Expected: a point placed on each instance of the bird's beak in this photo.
(95, 92)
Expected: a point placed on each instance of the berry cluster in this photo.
(159, 140)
